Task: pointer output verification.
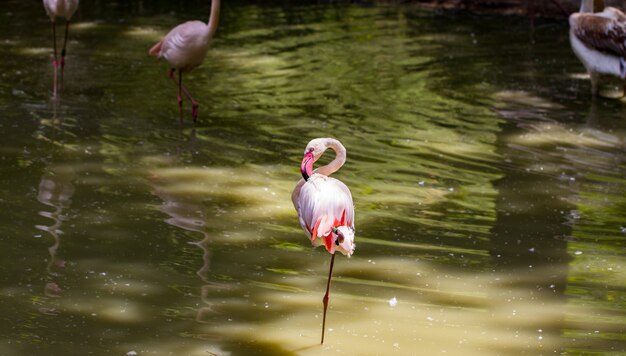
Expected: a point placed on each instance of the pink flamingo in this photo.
(324, 205)
(184, 48)
(60, 8)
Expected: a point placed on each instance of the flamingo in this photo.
(324, 205)
(184, 48)
(599, 40)
(54, 9)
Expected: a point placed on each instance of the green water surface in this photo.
(490, 189)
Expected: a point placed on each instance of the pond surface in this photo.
(490, 190)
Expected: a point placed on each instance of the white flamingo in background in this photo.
(324, 205)
(184, 48)
(599, 40)
(54, 9)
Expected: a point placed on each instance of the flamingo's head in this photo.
(313, 151)
(344, 240)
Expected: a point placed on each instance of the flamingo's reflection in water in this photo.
(55, 191)
(186, 212)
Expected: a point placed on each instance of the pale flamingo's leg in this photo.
(180, 97)
(325, 299)
(179, 84)
(55, 62)
(67, 29)
(194, 103)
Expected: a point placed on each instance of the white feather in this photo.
(595, 62)
(60, 8)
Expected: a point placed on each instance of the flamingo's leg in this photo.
(325, 299)
(194, 103)
(179, 84)
(55, 62)
(67, 29)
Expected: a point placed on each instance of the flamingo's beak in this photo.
(306, 167)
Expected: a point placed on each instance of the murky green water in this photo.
(490, 190)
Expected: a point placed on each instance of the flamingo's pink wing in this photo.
(324, 198)
(184, 37)
(156, 49)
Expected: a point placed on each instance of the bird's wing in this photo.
(322, 201)
(615, 14)
(156, 49)
(183, 35)
(347, 207)
(295, 199)
(295, 196)
(601, 33)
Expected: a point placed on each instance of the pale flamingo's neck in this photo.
(336, 163)
(213, 18)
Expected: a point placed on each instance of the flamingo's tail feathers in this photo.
(156, 49)
(322, 228)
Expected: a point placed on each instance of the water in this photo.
(489, 187)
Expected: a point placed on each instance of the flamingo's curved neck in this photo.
(336, 163)
(213, 18)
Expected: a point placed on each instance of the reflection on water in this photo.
(185, 211)
(55, 191)
(490, 189)
(543, 208)
(529, 251)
